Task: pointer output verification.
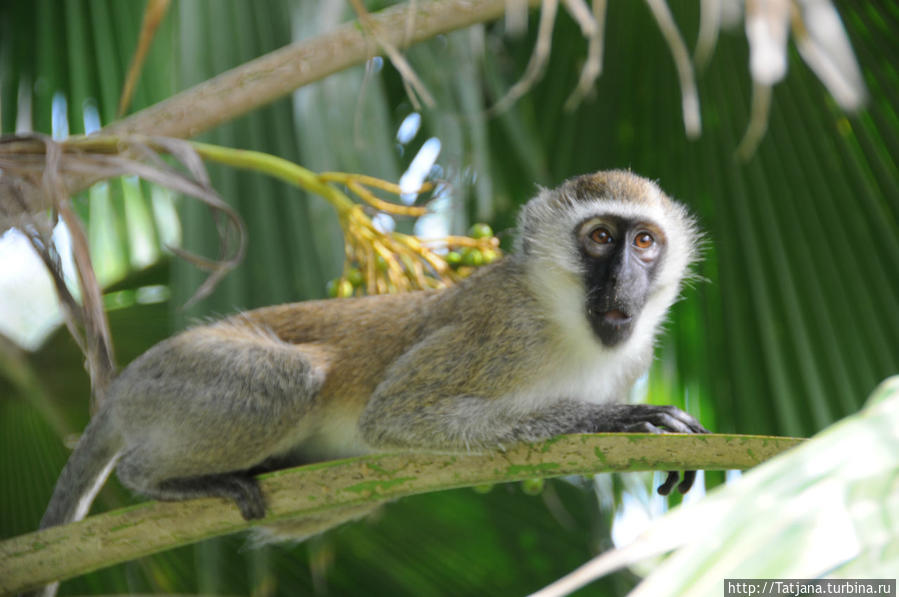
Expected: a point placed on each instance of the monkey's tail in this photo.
(81, 479)
(85, 472)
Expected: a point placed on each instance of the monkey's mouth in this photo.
(615, 317)
(611, 326)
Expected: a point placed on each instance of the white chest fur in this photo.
(579, 367)
(597, 376)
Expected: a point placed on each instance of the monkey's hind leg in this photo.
(204, 409)
(241, 488)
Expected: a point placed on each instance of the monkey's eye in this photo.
(643, 240)
(601, 236)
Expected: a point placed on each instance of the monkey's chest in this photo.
(595, 378)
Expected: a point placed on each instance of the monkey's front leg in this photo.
(466, 423)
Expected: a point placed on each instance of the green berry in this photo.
(490, 255)
(472, 257)
(354, 275)
(532, 486)
(331, 288)
(454, 259)
(480, 230)
(344, 289)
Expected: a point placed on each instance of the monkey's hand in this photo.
(649, 418)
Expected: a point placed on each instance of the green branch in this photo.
(277, 167)
(34, 559)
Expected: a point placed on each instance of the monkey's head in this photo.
(611, 247)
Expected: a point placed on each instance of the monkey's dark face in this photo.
(621, 257)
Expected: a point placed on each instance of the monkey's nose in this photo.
(616, 317)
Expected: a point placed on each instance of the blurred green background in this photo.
(795, 321)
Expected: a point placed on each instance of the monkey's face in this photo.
(620, 258)
(610, 248)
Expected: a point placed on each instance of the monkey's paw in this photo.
(249, 498)
(650, 418)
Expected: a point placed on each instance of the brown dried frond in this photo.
(34, 170)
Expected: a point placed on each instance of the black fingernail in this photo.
(665, 488)
(687, 483)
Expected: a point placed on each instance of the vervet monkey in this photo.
(546, 341)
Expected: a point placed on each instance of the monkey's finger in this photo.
(652, 421)
(641, 427)
(687, 419)
(687, 483)
(665, 488)
(694, 425)
(670, 422)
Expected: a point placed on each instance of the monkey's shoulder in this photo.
(482, 337)
(497, 292)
